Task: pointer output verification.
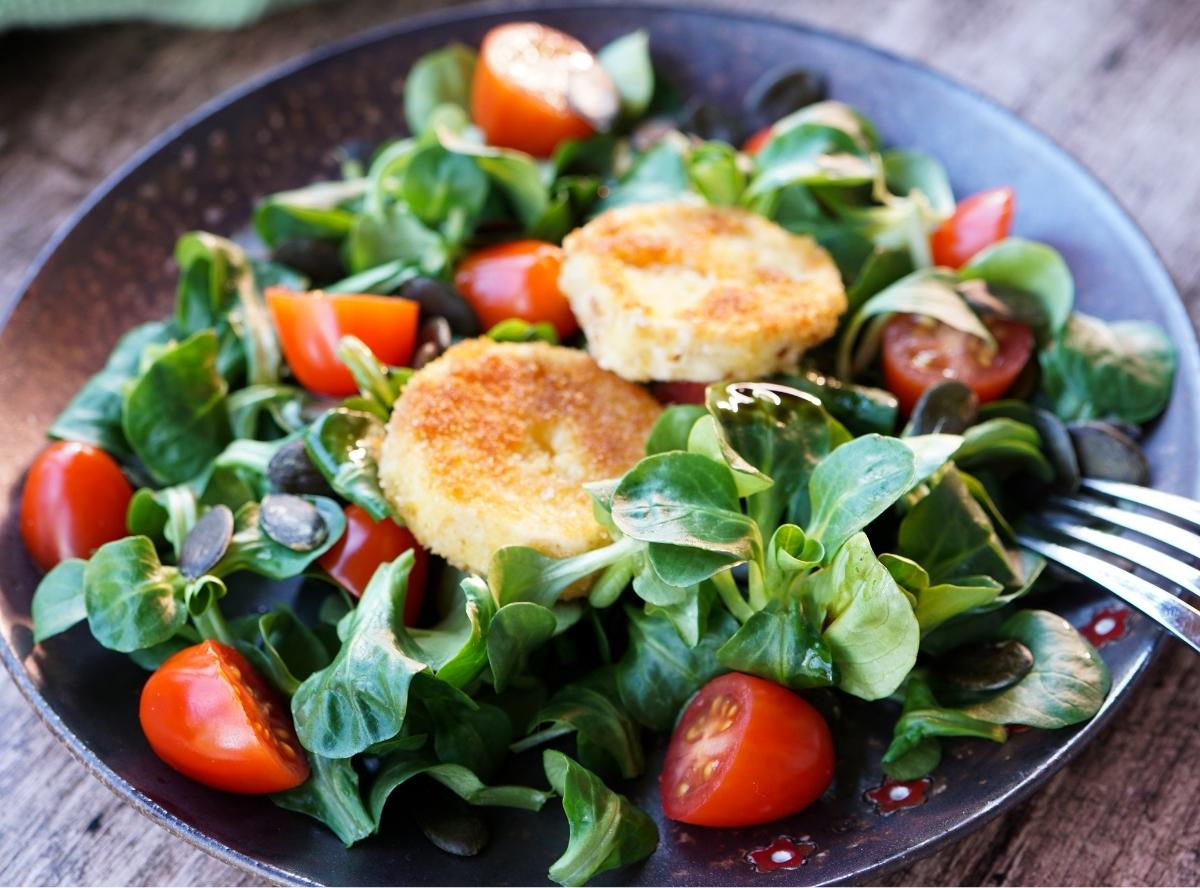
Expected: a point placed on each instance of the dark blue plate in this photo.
(110, 267)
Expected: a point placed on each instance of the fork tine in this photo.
(1183, 575)
(1176, 616)
(1178, 506)
(1184, 540)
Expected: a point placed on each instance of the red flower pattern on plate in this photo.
(785, 853)
(1106, 624)
(894, 795)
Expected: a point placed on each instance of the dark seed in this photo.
(1057, 445)
(985, 668)
(1104, 451)
(292, 522)
(710, 122)
(439, 299)
(946, 408)
(291, 470)
(432, 339)
(450, 823)
(317, 259)
(206, 543)
(782, 90)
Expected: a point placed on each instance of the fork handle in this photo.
(1176, 616)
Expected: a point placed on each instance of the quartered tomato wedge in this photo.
(310, 325)
(919, 352)
(978, 222)
(208, 715)
(368, 543)
(519, 94)
(516, 280)
(745, 751)
(74, 501)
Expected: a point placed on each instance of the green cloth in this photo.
(195, 13)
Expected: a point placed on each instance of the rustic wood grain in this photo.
(1112, 81)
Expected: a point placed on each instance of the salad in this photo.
(589, 414)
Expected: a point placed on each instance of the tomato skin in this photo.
(773, 754)
(680, 392)
(368, 543)
(311, 324)
(207, 714)
(517, 280)
(518, 95)
(920, 352)
(978, 222)
(758, 140)
(74, 501)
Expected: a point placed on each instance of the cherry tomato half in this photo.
(516, 280)
(368, 543)
(757, 140)
(208, 715)
(919, 352)
(978, 222)
(74, 501)
(311, 324)
(519, 91)
(745, 751)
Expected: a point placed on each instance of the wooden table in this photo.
(1113, 81)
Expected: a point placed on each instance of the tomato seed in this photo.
(710, 768)
(683, 788)
(693, 734)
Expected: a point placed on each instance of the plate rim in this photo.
(1183, 333)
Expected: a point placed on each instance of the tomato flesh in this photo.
(978, 222)
(207, 714)
(745, 751)
(368, 543)
(680, 392)
(757, 140)
(310, 325)
(519, 90)
(517, 280)
(919, 352)
(74, 501)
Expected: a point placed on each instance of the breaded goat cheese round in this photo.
(680, 291)
(490, 446)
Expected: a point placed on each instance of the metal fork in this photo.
(1097, 502)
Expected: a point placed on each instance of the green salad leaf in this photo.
(174, 412)
(133, 600)
(1119, 371)
(59, 602)
(361, 697)
(607, 830)
(331, 795)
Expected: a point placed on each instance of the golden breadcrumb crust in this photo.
(490, 444)
(680, 291)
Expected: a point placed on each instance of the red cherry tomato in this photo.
(680, 392)
(919, 352)
(745, 751)
(516, 280)
(74, 501)
(519, 91)
(368, 543)
(979, 221)
(209, 716)
(757, 141)
(311, 324)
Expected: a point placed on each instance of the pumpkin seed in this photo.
(292, 521)
(206, 543)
